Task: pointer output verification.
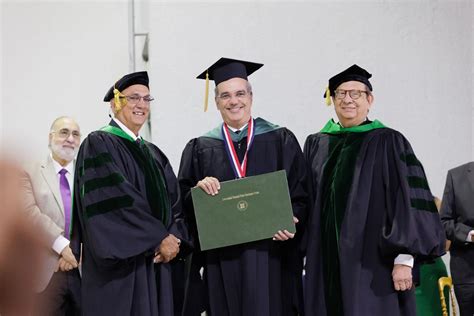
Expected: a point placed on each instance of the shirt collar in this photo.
(237, 129)
(126, 129)
(367, 121)
(57, 167)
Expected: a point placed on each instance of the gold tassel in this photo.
(206, 94)
(328, 96)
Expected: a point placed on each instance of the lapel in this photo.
(51, 178)
(470, 175)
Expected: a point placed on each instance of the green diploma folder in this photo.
(244, 210)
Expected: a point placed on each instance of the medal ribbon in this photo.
(239, 170)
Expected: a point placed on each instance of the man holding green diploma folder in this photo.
(245, 210)
(261, 277)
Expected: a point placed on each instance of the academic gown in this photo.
(258, 278)
(126, 201)
(370, 202)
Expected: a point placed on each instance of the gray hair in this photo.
(51, 129)
(248, 87)
(368, 90)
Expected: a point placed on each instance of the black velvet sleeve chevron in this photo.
(412, 223)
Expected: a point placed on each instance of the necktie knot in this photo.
(62, 171)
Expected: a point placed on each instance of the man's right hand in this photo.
(210, 185)
(402, 277)
(67, 261)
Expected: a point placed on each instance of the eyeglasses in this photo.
(225, 96)
(354, 94)
(65, 133)
(135, 99)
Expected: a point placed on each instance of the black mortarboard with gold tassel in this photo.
(126, 81)
(225, 69)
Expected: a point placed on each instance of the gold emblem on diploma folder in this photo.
(242, 205)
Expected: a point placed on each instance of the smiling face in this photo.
(64, 140)
(234, 101)
(352, 112)
(134, 115)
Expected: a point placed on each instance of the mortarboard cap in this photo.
(126, 81)
(225, 69)
(353, 73)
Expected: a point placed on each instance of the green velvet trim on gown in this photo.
(332, 127)
(344, 146)
(427, 294)
(338, 176)
(117, 132)
(155, 182)
(261, 127)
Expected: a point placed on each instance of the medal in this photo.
(239, 170)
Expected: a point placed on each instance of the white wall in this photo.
(420, 53)
(60, 57)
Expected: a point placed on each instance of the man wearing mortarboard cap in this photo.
(372, 213)
(126, 198)
(263, 277)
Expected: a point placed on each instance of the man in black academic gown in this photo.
(258, 278)
(126, 198)
(372, 214)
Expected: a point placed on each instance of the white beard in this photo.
(67, 154)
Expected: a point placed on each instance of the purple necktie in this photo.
(66, 196)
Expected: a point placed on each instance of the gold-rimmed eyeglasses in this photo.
(65, 133)
(135, 98)
(354, 94)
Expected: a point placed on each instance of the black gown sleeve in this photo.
(178, 226)
(412, 224)
(188, 177)
(295, 166)
(314, 170)
(115, 217)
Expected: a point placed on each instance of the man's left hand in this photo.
(64, 265)
(402, 277)
(283, 235)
